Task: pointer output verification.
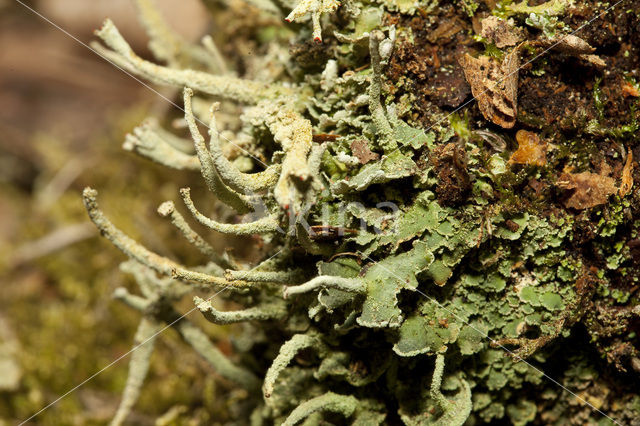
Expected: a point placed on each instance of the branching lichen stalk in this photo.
(236, 180)
(207, 168)
(260, 313)
(144, 342)
(224, 87)
(341, 404)
(203, 346)
(378, 113)
(260, 226)
(168, 209)
(453, 414)
(287, 352)
(147, 141)
(135, 251)
(284, 277)
(350, 285)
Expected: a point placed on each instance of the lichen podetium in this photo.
(423, 266)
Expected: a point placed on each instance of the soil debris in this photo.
(449, 89)
(500, 32)
(450, 164)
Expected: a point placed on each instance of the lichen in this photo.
(395, 250)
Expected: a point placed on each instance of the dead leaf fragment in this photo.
(590, 189)
(324, 137)
(500, 32)
(629, 89)
(361, 151)
(594, 60)
(494, 85)
(531, 150)
(572, 45)
(627, 179)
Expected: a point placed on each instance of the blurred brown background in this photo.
(51, 83)
(64, 112)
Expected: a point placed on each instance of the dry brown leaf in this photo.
(590, 189)
(500, 32)
(570, 44)
(494, 85)
(574, 46)
(594, 60)
(627, 179)
(531, 150)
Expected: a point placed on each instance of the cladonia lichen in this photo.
(408, 252)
